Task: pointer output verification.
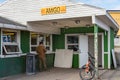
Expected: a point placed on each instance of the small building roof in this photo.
(10, 24)
(7, 21)
(24, 11)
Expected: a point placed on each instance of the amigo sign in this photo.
(53, 10)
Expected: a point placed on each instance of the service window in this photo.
(34, 43)
(72, 42)
(48, 42)
(10, 42)
(39, 37)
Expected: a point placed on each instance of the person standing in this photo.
(41, 54)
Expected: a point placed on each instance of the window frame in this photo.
(10, 54)
(67, 44)
(48, 51)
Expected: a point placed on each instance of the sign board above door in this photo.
(53, 10)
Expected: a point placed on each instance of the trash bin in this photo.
(30, 64)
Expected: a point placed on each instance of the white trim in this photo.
(102, 50)
(65, 41)
(101, 24)
(105, 52)
(11, 56)
(11, 26)
(66, 45)
(51, 42)
(93, 19)
(50, 46)
(19, 41)
(1, 43)
(113, 21)
(30, 42)
(9, 43)
(109, 49)
(102, 34)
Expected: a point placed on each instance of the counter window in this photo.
(36, 38)
(10, 42)
(72, 42)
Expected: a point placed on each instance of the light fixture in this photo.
(87, 25)
(77, 21)
(66, 27)
(54, 23)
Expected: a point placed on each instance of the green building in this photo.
(61, 25)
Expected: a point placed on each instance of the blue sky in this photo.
(107, 4)
(2, 1)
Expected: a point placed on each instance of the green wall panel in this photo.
(0, 40)
(50, 60)
(75, 63)
(12, 66)
(106, 41)
(25, 41)
(111, 39)
(106, 61)
(111, 46)
(79, 30)
(58, 42)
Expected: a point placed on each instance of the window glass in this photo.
(9, 36)
(33, 39)
(73, 42)
(10, 42)
(72, 39)
(33, 48)
(47, 39)
(12, 48)
(74, 47)
(36, 38)
(41, 38)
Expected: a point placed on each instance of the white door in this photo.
(83, 47)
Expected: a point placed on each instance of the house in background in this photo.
(116, 16)
(60, 24)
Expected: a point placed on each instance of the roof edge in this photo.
(113, 21)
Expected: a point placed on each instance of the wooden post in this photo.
(96, 50)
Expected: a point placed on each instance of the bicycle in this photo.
(87, 72)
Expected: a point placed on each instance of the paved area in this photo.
(64, 74)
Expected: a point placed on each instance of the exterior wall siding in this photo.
(25, 41)
(17, 65)
(59, 40)
(50, 60)
(0, 41)
(106, 50)
(111, 46)
(106, 61)
(75, 61)
(12, 66)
